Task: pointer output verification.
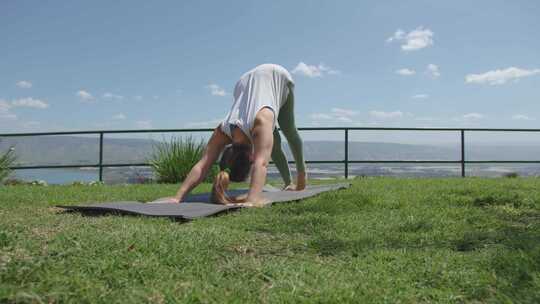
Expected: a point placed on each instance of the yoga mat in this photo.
(196, 206)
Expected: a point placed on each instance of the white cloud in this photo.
(313, 71)
(320, 116)
(522, 117)
(336, 115)
(473, 116)
(426, 118)
(216, 90)
(4, 106)
(8, 115)
(328, 70)
(102, 125)
(405, 72)
(343, 119)
(307, 70)
(111, 96)
(204, 124)
(30, 124)
(144, 124)
(420, 96)
(386, 115)
(24, 84)
(343, 112)
(119, 116)
(4, 110)
(498, 77)
(30, 102)
(433, 70)
(398, 35)
(414, 40)
(138, 97)
(85, 96)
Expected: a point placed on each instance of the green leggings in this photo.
(288, 127)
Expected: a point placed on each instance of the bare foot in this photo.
(241, 197)
(301, 180)
(260, 203)
(166, 200)
(290, 187)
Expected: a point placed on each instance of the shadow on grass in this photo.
(101, 213)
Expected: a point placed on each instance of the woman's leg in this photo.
(280, 161)
(288, 127)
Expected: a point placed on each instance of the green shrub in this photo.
(511, 175)
(172, 161)
(14, 182)
(6, 161)
(90, 183)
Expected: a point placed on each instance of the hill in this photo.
(51, 150)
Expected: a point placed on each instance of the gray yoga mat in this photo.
(196, 206)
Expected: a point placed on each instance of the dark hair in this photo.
(234, 166)
(239, 162)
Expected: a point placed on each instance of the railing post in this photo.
(346, 153)
(462, 153)
(100, 156)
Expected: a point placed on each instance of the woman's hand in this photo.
(165, 200)
(215, 145)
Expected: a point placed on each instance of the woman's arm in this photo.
(215, 145)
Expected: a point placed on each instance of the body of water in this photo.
(55, 176)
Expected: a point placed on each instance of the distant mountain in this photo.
(53, 150)
(331, 150)
(319, 150)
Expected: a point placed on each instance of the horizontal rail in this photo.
(100, 165)
(105, 132)
(301, 129)
(308, 162)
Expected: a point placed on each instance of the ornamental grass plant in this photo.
(172, 160)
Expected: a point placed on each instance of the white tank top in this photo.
(267, 85)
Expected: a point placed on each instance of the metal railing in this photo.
(346, 161)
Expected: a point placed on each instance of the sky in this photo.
(106, 65)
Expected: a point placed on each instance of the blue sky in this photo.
(74, 65)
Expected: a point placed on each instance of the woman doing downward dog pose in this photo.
(248, 137)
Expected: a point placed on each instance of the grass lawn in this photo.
(384, 240)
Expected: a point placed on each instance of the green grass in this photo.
(384, 240)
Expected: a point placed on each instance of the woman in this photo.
(248, 137)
